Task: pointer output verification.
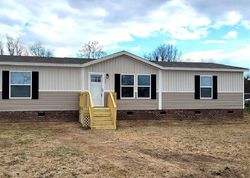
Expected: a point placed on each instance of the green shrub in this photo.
(247, 107)
(247, 104)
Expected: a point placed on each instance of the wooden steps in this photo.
(97, 117)
(102, 119)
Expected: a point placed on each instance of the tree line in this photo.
(91, 49)
(164, 52)
(14, 47)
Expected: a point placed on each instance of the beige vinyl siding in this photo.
(121, 65)
(51, 78)
(137, 104)
(185, 100)
(183, 81)
(47, 101)
(134, 104)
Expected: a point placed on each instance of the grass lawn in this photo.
(136, 149)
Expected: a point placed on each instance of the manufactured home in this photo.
(121, 85)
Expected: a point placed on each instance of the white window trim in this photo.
(127, 86)
(10, 72)
(208, 98)
(144, 86)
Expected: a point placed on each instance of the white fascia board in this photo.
(205, 69)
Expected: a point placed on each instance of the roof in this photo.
(83, 62)
(195, 65)
(48, 60)
(172, 65)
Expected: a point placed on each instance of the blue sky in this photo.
(215, 31)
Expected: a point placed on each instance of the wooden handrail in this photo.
(86, 96)
(82, 102)
(111, 96)
(90, 100)
(112, 105)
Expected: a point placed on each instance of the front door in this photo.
(96, 89)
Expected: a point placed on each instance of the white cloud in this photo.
(58, 24)
(64, 51)
(66, 24)
(99, 12)
(180, 20)
(229, 18)
(238, 57)
(246, 24)
(214, 42)
(183, 33)
(208, 55)
(231, 35)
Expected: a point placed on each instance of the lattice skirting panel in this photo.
(84, 118)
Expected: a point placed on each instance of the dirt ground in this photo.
(137, 149)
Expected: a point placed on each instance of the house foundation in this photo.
(181, 114)
(178, 114)
(38, 116)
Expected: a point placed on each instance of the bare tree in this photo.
(14, 47)
(1, 48)
(37, 49)
(164, 52)
(20, 49)
(92, 49)
(10, 44)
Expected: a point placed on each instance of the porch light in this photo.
(107, 76)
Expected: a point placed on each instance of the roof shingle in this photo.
(66, 60)
(50, 60)
(195, 65)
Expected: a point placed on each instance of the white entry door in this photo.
(96, 89)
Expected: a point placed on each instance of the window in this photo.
(20, 84)
(96, 78)
(206, 85)
(127, 86)
(144, 86)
